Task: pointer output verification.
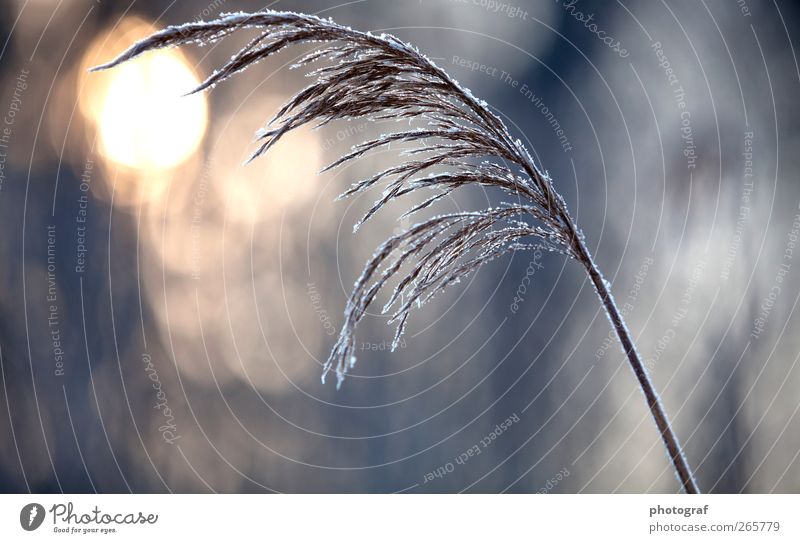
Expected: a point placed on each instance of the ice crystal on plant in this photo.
(379, 77)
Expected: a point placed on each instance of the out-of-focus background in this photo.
(166, 309)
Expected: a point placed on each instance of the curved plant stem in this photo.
(582, 254)
(674, 450)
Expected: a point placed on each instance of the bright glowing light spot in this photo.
(138, 115)
(143, 119)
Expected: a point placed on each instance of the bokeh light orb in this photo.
(143, 120)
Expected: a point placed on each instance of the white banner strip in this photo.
(400, 518)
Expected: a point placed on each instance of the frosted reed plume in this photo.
(361, 75)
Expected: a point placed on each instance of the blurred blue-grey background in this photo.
(165, 310)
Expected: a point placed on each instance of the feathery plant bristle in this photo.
(379, 78)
